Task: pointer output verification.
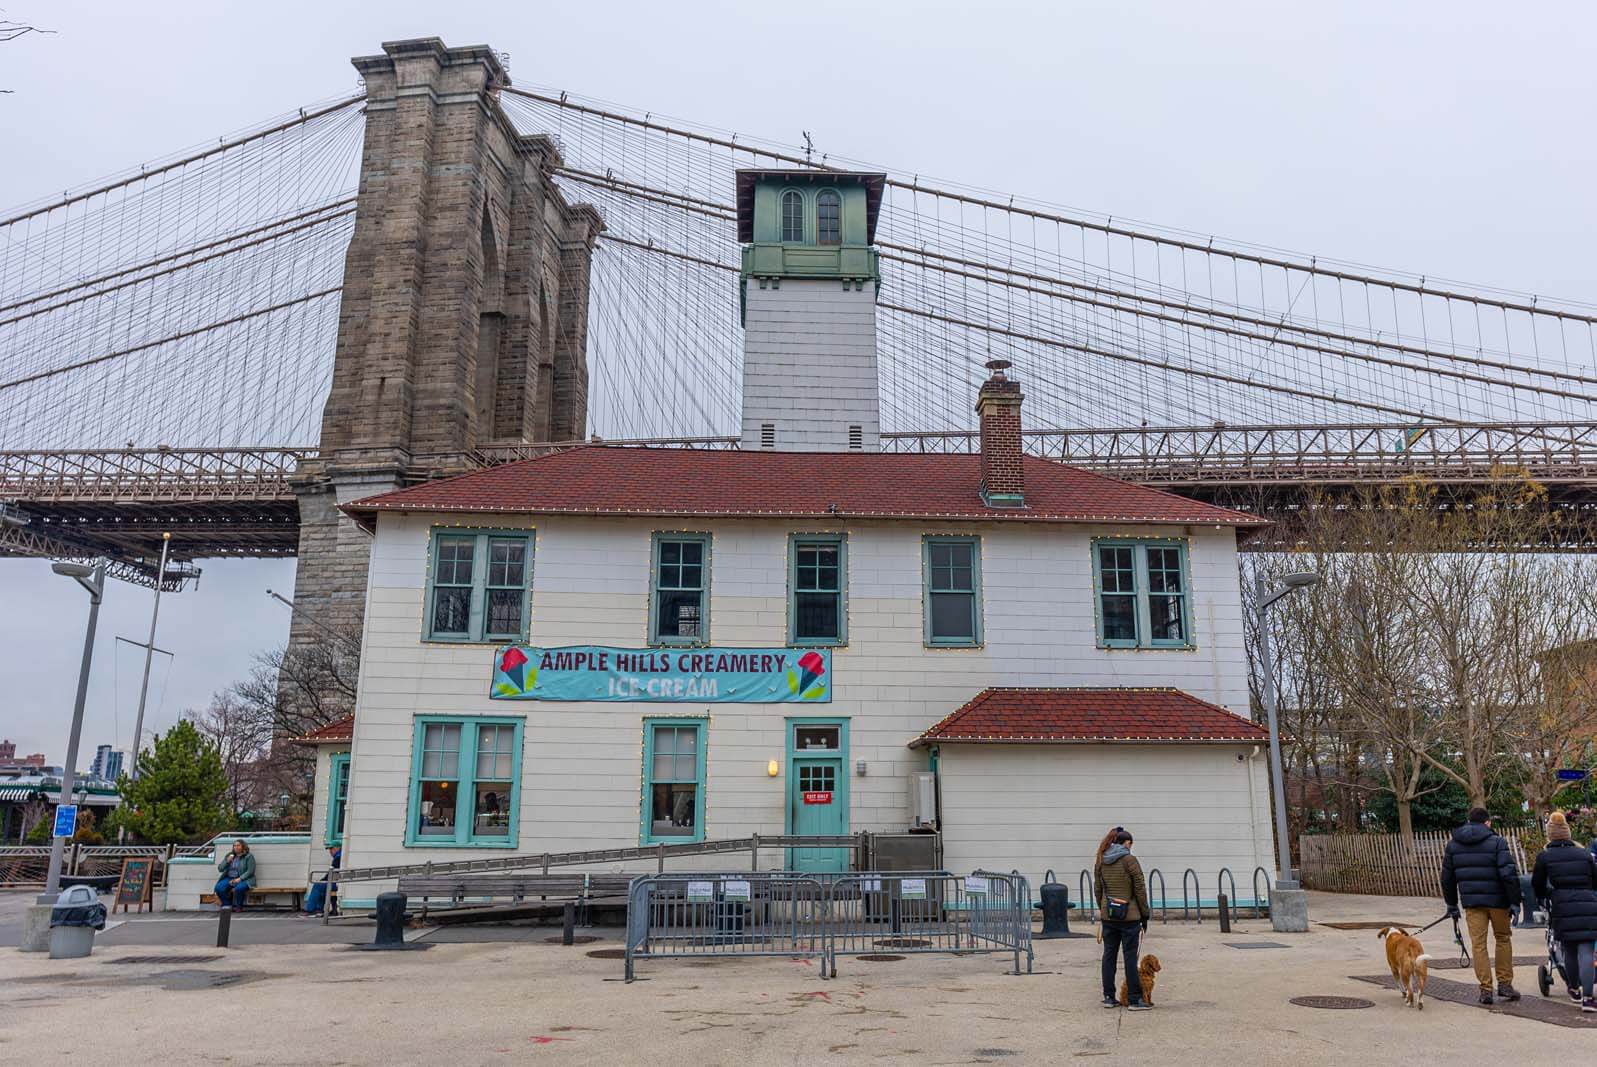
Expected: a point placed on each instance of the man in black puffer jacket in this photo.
(1566, 877)
(1478, 871)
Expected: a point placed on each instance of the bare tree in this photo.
(241, 730)
(10, 30)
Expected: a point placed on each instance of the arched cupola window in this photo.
(828, 217)
(792, 215)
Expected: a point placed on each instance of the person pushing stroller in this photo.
(1566, 878)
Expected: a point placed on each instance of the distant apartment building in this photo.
(107, 763)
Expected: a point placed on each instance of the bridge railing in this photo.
(150, 475)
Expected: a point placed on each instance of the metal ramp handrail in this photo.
(545, 860)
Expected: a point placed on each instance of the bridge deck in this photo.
(241, 501)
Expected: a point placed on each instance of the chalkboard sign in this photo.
(138, 878)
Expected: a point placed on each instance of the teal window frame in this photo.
(476, 627)
(337, 797)
(466, 781)
(646, 834)
(838, 196)
(794, 543)
(654, 635)
(927, 589)
(803, 217)
(1144, 638)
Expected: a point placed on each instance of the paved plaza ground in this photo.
(292, 991)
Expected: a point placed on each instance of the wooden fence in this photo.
(1380, 864)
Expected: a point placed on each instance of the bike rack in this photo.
(1220, 881)
(1084, 886)
(1258, 912)
(1197, 893)
(1164, 897)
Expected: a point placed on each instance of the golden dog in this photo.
(1145, 971)
(1409, 963)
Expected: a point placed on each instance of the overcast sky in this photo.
(1452, 139)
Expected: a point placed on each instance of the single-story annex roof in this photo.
(1090, 716)
(339, 731)
(687, 482)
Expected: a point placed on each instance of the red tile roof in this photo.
(1091, 715)
(612, 480)
(340, 731)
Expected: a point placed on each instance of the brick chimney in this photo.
(1003, 481)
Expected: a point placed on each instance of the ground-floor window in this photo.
(337, 797)
(465, 781)
(673, 780)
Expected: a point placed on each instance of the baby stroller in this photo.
(1552, 968)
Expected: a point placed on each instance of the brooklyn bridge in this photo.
(447, 270)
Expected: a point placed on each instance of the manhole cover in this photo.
(579, 939)
(1369, 926)
(1256, 944)
(879, 957)
(1332, 1002)
(902, 942)
(164, 959)
(608, 954)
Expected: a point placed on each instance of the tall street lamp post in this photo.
(1289, 905)
(36, 926)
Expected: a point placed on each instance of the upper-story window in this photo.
(953, 590)
(679, 600)
(828, 218)
(1143, 593)
(792, 215)
(479, 584)
(817, 587)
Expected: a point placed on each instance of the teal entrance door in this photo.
(817, 805)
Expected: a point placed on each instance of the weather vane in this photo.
(809, 147)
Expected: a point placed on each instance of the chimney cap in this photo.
(998, 366)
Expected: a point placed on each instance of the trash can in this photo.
(74, 917)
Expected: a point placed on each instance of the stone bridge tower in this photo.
(464, 315)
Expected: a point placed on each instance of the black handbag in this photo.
(1116, 910)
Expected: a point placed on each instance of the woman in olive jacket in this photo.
(1566, 875)
(1120, 887)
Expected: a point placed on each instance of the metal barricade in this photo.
(720, 915)
(1197, 893)
(1260, 898)
(926, 912)
(1164, 903)
(1230, 902)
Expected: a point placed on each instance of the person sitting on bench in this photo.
(238, 877)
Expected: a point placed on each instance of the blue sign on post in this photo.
(66, 820)
(1571, 774)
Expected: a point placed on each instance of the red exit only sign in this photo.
(818, 797)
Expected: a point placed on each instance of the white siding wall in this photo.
(580, 784)
(1035, 807)
(809, 365)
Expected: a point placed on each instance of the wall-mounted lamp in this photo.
(772, 769)
(859, 768)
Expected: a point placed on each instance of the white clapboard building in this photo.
(615, 646)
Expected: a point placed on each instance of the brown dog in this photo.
(1409, 963)
(1145, 971)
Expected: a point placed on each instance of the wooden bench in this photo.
(257, 895)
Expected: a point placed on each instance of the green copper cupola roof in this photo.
(809, 223)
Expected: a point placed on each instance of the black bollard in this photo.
(224, 926)
(568, 932)
(1055, 908)
(390, 920)
(1225, 914)
(1527, 916)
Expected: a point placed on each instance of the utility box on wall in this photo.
(922, 800)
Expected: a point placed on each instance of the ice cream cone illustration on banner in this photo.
(811, 666)
(516, 676)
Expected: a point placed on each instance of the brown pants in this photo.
(1477, 920)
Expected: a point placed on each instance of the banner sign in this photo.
(664, 675)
